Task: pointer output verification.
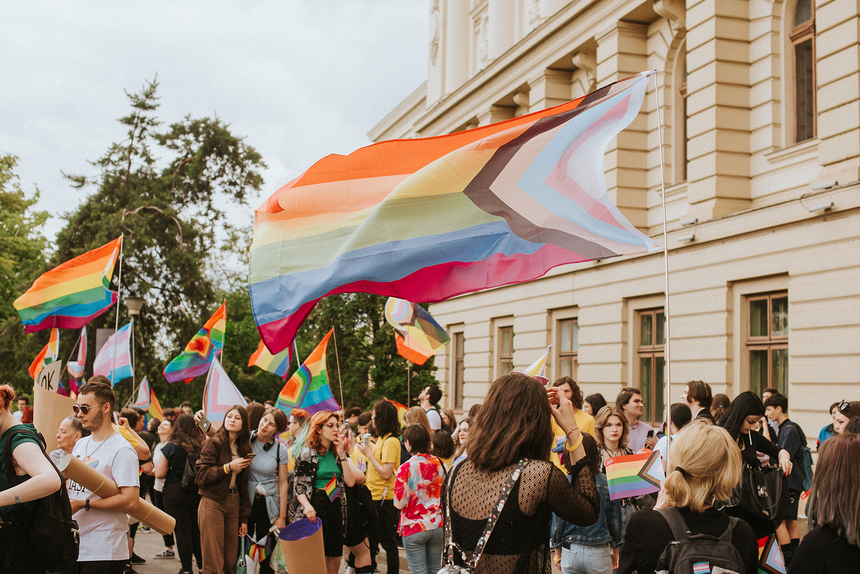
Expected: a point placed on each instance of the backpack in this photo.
(189, 473)
(50, 529)
(805, 457)
(690, 553)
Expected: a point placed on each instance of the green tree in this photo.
(22, 259)
(166, 192)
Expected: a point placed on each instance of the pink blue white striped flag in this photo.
(76, 368)
(114, 358)
(219, 395)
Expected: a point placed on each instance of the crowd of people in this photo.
(517, 485)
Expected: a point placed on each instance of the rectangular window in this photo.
(804, 90)
(767, 342)
(652, 363)
(568, 347)
(506, 350)
(459, 369)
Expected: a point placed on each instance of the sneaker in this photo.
(166, 553)
(143, 528)
(135, 559)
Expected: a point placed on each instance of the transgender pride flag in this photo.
(114, 359)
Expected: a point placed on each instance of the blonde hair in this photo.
(416, 415)
(704, 464)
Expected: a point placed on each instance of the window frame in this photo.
(797, 36)
(458, 369)
(564, 356)
(504, 358)
(653, 351)
(768, 343)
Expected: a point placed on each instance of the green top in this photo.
(18, 439)
(327, 469)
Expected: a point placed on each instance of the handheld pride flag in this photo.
(76, 368)
(428, 219)
(72, 294)
(634, 475)
(401, 412)
(219, 395)
(308, 388)
(537, 369)
(114, 358)
(147, 402)
(278, 364)
(332, 489)
(47, 355)
(770, 558)
(200, 351)
(417, 334)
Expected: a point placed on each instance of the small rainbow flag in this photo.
(537, 370)
(278, 364)
(634, 475)
(308, 388)
(401, 412)
(332, 489)
(200, 351)
(416, 332)
(72, 294)
(147, 401)
(48, 355)
(770, 559)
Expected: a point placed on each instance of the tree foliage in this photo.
(22, 259)
(166, 192)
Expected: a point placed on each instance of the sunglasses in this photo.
(84, 409)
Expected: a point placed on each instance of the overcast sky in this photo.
(299, 79)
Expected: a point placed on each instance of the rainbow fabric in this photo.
(147, 401)
(73, 294)
(308, 388)
(332, 489)
(219, 395)
(76, 368)
(770, 558)
(278, 364)
(416, 332)
(538, 368)
(47, 355)
(429, 219)
(200, 351)
(401, 412)
(114, 358)
(634, 474)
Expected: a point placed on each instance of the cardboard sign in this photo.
(49, 407)
(49, 377)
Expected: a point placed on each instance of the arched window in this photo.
(803, 42)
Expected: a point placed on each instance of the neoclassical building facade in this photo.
(757, 105)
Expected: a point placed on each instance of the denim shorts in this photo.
(584, 559)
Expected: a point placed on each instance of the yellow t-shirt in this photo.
(386, 449)
(359, 459)
(584, 421)
(127, 436)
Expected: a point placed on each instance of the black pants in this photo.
(182, 505)
(386, 530)
(158, 501)
(259, 526)
(16, 550)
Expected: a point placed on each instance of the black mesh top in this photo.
(520, 541)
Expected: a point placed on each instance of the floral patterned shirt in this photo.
(418, 493)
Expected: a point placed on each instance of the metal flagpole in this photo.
(118, 300)
(337, 362)
(665, 265)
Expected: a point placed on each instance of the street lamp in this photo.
(134, 304)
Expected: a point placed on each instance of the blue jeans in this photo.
(582, 559)
(424, 551)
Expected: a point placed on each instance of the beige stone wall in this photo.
(749, 187)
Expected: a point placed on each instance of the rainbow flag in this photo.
(147, 401)
(278, 364)
(114, 358)
(200, 351)
(634, 474)
(219, 395)
(770, 558)
(49, 353)
(417, 334)
(332, 489)
(76, 368)
(401, 412)
(428, 219)
(308, 388)
(538, 368)
(73, 294)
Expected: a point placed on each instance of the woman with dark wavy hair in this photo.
(517, 415)
(222, 478)
(181, 503)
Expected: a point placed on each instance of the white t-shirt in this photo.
(662, 447)
(435, 419)
(104, 534)
(157, 455)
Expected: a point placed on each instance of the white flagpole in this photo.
(337, 361)
(118, 301)
(668, 380)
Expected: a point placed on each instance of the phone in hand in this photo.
(650, 433)
(204, 424)
(250, 455)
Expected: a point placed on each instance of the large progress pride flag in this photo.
(428, 219)
(72, 294)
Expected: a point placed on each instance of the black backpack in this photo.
(189, 473)
(49, 528)
(689, 553)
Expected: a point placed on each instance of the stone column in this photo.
(622, 52)
(550, 88)
(456, 57)
(501, 13)
(495, 114)
(718, 108)
(837, 27)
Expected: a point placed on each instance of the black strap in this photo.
(444, 468)
(681, 532)
(11, 477)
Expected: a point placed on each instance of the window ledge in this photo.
(808, 147)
